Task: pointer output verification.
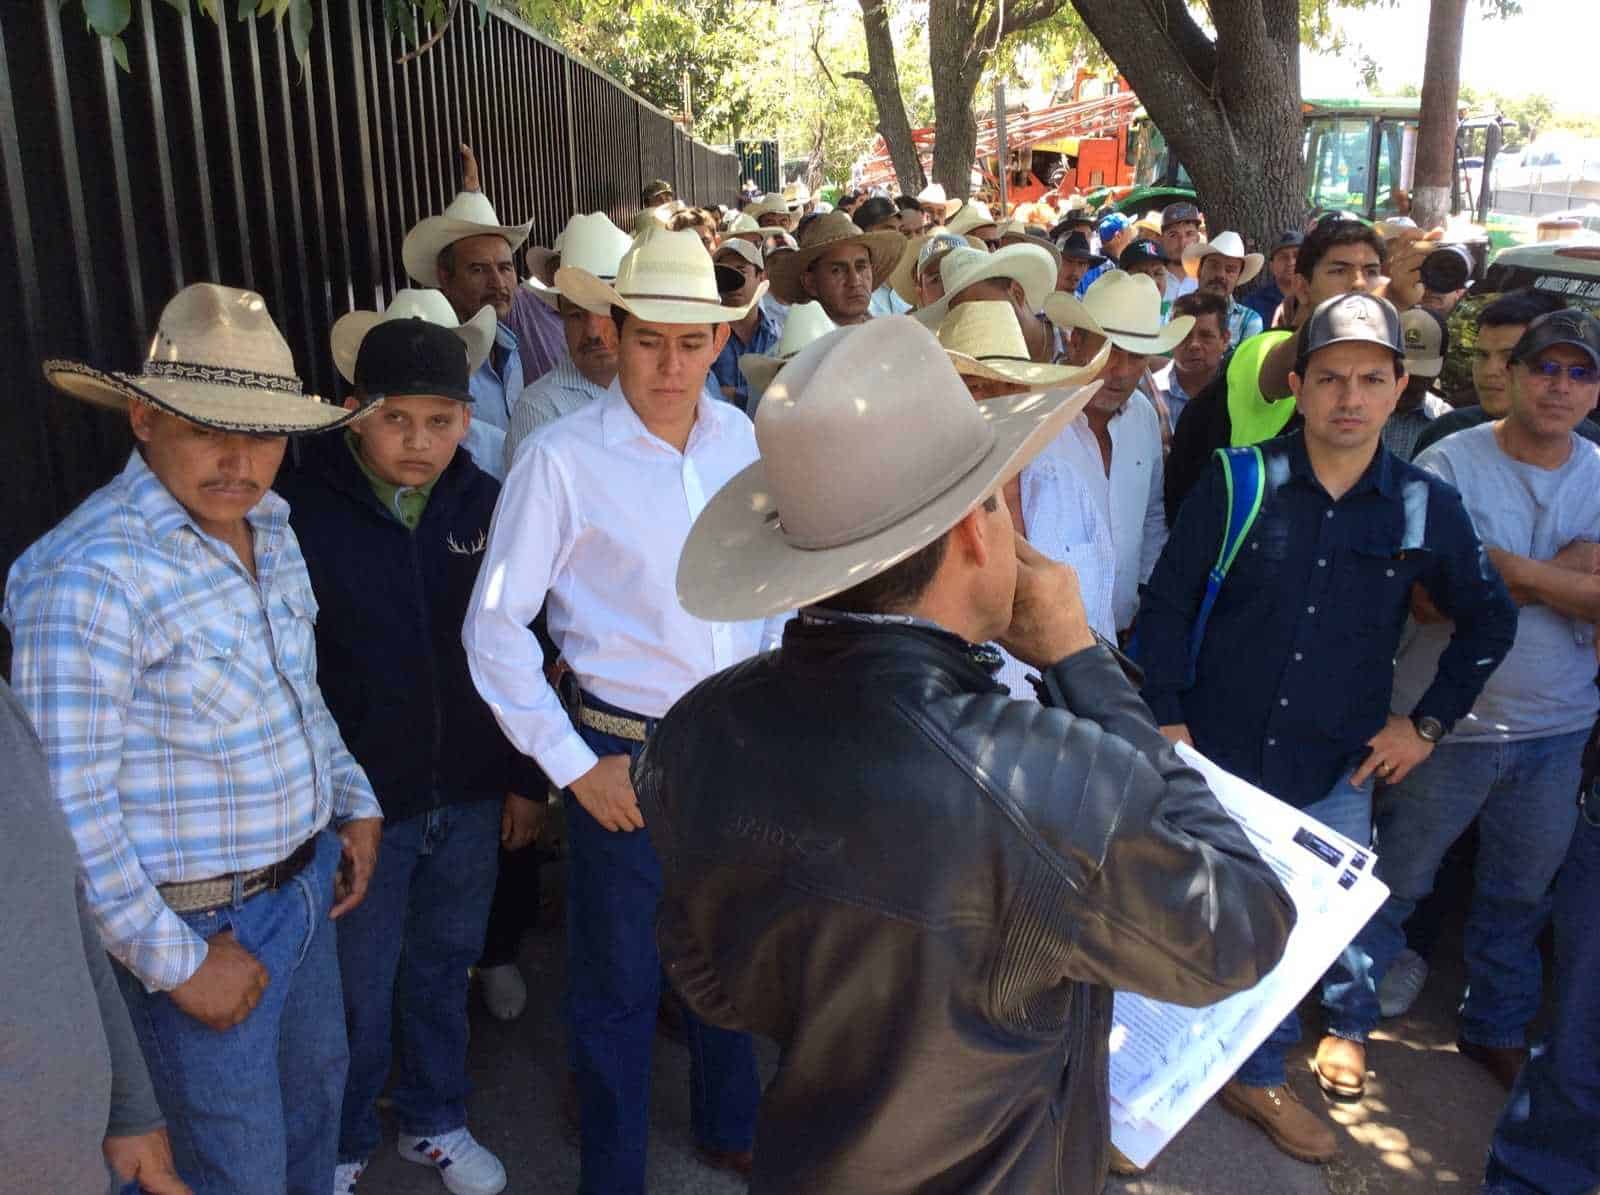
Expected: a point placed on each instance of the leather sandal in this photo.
(1341, 1068)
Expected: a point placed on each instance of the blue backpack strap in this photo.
(1245, 473)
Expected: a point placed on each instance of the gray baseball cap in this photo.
(1568, 326)
(1346, 318)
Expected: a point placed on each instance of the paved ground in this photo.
(1423, 1127)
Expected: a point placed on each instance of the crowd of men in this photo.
(847, 576)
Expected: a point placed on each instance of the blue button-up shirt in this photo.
(1295, 671)
(496, 385)
(725, 369)
(178, 704)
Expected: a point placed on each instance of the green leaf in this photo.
(483, 13)
(119, 51)
(300, 28)
(247, 8)
(108, 18)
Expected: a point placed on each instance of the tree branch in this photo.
(1198, 51)
(432, 41)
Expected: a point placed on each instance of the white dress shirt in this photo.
(1133, 496)
(589, 525)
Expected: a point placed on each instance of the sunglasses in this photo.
(1582, 375)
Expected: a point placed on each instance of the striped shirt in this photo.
(178, 704)
(560, 392)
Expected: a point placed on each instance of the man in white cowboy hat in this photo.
(916, 278)
(1022, 276)
(163, 648)
(838, 265)
(771, 211)
(943, 1028)
(589, 527)
(593, 243)
(797, 200)
(1124, 309)
(807, 322)
(467, 254)
(976, 220)
(753, 332)
(1221, 266)
(937, 206)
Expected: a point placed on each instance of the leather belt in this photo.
(615, 725)
(198, 896)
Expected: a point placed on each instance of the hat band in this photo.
(1110, 331)
(670, 298)
(222, 375)
(1004, 357)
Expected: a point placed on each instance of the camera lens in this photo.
(1446, 269)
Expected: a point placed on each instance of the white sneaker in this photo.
(1402, 984)
(503, 991)
(464, 1165)
(345, 1176)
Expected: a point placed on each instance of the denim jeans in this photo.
(1548, 1138)
(403, 954)
(256, 1108)
(1522, 794)
(1347, 987)
(614, 984)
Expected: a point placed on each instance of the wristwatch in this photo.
(1428, 728)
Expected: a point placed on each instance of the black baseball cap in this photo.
(412, 358)
(1182, 212)
(1292, 239)
(1142, 252)
(1349, 318)
(1568, 326)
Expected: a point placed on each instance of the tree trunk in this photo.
(1436, 138)
(882, 78)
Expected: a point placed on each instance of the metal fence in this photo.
(216, 157)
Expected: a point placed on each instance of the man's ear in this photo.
(805, 283)
(1295, 383)
(142, 419)
(1019, 296)
(972, 537)
(720, 338)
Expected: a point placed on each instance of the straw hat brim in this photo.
(599, 296)
(1068, 311)
(249, 410)
(784, 272)
(1037, 278)
(344, 341)
(737, 565)
(1195, 254)
(1036, 374)
(903, 278)
(423, 244)
(759, 369)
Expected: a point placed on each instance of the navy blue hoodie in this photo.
(389, 656)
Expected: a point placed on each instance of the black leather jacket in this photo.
(924, 891)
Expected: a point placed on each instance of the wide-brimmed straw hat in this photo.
(807, 322)
(1030, 234)
(1225, 244)
(470, 214)
(984, 340)
(218, 360)
(1125, 309)
(973, 215)
(871, 448)
(770, 204)
(822, 234)
(1027, 264)
(591, 242)
(933, 195)
(666, 278)
(351, 328)
(924, 247)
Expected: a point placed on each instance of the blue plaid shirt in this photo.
(178, 704)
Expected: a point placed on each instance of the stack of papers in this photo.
(1166, 1060)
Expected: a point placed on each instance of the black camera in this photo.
(1448, 268)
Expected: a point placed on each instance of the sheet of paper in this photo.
(1167, 1060)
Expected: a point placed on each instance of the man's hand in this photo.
(1048, 622)
(146, 1159)
(1396, 749)
(1580, 556)
(1405, 265)
(606, 793)
(520, 822)
(1423, 608)
(1178, 732)
(225, 988)
(358, 841)
(469, 169)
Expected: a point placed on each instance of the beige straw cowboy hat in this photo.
(1125, 309)
(666, 278)
(1224, 244)
(807, 322)
(871, 448)
(218, 360)
(351, 328)
(822, 234)
(973, 216)
(770, 204)
(1029, 265)
(470, 214)
(590, 242)
(984, 340)
(925, 247)
(933, 195)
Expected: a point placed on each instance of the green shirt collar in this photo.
(404, 502)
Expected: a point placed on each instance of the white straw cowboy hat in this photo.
(822, 234)
(666, 278)
(351, 328)
(933, 196)
(770, 204)
(795, 196)
(1125, 309)
(984, 340)
(923, 248)
(871, 448)
(973, 215)
(741, 224)
(218, 360)
(807, 322)
(470, 214)
(1225, 244)
(590, 242)
(1029, 265)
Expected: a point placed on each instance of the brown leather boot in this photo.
(1288, 1123)
(1341, 1068)
(1503, 1062)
